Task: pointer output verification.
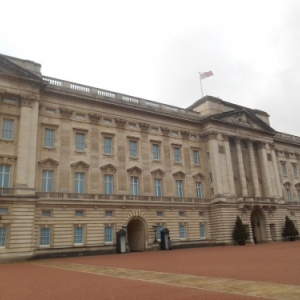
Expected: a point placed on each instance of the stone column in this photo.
(25, 175)
(241, 168)
(277, 178)
(215, 162)
(265, 170)
(253, 170)
(229, 164)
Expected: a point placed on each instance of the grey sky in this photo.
(155, 49)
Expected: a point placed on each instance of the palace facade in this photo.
(79, 163)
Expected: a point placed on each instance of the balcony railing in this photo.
(75, 196)
(97, 93)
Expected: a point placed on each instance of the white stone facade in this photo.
(77, 163)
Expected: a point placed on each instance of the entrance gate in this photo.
(136, 235)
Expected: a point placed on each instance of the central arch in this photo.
(136, 235)
(257, 224)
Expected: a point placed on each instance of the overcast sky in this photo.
(155, 49)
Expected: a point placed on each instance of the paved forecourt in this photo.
(267, 271)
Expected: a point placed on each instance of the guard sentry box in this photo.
(121, 241)
(164, 234)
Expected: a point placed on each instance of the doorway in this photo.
(257, 223)
(136, 235)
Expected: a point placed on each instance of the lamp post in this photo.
(154, 228)
(124, 227)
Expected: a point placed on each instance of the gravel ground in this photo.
(275, 262)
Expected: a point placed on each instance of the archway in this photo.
(257, 224)
(136, 235)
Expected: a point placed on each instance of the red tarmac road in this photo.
(275, 263)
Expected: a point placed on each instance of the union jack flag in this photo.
(206, 74)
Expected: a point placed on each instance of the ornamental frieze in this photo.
(198, 176)
(135, 170)
(185, 134)
(94, 118)
(158, 172)
(120, 122)
(165, 130)
(241, 119)
(179, 175)
(65, 112)
(7, 159)
(109, 168)
(208, 136)
(48, 162)
(80, 165)
(144, 126)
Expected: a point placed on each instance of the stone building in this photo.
(77, 163)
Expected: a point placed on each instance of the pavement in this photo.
(263, 271)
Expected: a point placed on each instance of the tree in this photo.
(240, 232)
(289, 228)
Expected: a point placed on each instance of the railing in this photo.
(297, 202)
(121, 98)
(75, 196)
(17, 191)
(287, 137)
(257, 199)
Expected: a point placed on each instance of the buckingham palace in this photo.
(79, 163)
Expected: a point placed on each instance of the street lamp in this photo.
(154, 228)
(124, 227)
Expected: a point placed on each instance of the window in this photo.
(288, 195)
(107, 145)
(158, 188)
(78, 235)
(108, 184)
(108, 234)
(80, 141)
(283, 168)
(182, 233)
(179, 188)
(181, 214)
(50, 111)
(7, 129)
(199, 190)
(133, 148)
(46, 213)
(295, 172)
(3, 211)
(49, 138)
(45, 237)
(159, 228)
(176, 155)
(201, 214)
(107, 121)
(79, 213)
(4, 176)
(155, 150)
(134, 185)
(79, 116)
(202, 231)
(159, 213)
(196, 157)
(47, 181)
(79, 183)
(108, 213)
(3, 232)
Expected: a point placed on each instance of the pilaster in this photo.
(241, 168)
(229, 164)
(253, 170)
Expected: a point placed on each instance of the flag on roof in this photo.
(206, 74)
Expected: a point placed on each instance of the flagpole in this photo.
(201, 84)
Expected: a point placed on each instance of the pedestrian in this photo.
(169, 243)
